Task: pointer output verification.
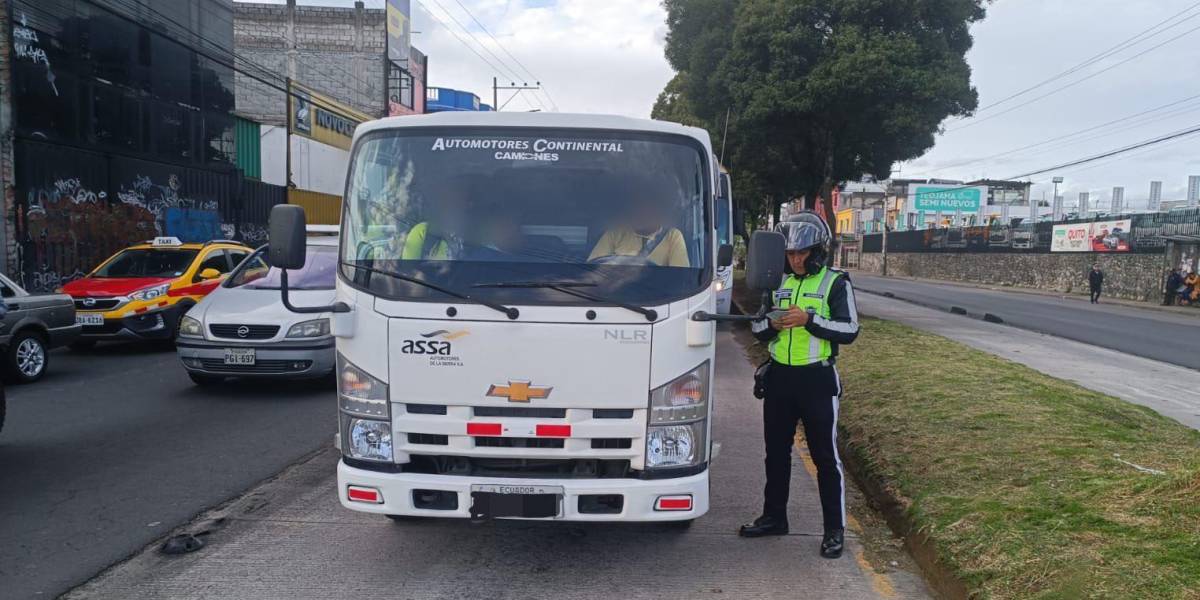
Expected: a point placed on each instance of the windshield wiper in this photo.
(510, 312)
(568, 287)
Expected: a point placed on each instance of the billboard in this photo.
(399, 30)
(321, 118)
(947, 198)
(1101, 236)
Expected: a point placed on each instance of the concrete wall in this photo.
(1129, 276)
(338, 52)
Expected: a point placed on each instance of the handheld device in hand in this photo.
(776, 315)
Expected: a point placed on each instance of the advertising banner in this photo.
(399, 30)
(1101, 236)
(322, 119)
(947, 198)
(1111, 236)
(1076, 237)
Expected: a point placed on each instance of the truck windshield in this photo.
(625, 213)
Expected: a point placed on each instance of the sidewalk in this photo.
(1168, 389)
(1079, 296)
(290, 539)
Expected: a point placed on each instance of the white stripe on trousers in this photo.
(837, 457)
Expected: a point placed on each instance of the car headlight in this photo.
(189, 327)
(359, 394)
(309, 329)
(150, 293)
(678, 428)
(369, 439)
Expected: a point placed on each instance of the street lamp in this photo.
(1055, 208)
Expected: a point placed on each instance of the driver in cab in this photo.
(645, 232)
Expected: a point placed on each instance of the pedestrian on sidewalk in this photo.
(1172, 287)
(814, 313)
(1096, 281)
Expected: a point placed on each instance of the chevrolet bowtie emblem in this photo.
(519, 391)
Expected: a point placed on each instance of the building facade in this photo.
(120, 116)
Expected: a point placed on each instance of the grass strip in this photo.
(1027, 486)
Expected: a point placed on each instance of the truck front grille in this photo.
(519, 467)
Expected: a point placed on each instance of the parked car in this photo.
(140, 292)
(32, 326)
(243, 330)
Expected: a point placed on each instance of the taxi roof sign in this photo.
(166, 241)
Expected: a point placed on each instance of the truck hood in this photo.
(548, 365)
(111, 286)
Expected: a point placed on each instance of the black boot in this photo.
(764, 526)
(832, 543)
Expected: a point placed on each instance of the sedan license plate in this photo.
(239, 356)
(85, 319)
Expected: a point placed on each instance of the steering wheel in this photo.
(619, 259)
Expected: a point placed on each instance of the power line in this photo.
(460, 39)
(1122, 120)
(1097, 58)
(510, 54)
(1144, 144)
(1074, 83)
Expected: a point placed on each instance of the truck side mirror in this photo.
(725, 256)
(287, 231)
(765, 260)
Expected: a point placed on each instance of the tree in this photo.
(822, 90)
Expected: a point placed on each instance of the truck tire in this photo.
(203, 380)
(27, 357)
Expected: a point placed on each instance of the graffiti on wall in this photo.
(28, 47)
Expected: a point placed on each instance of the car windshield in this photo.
(147, 262)
(318, 273)
(626, 213)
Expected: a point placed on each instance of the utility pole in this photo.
(496, 87)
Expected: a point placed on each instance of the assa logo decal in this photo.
(437, 346)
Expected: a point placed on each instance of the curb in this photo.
(954, 310)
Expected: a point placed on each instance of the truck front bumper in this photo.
(639, 495)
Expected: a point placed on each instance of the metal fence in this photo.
(75, 207)
(1148, 233)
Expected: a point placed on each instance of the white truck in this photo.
(522, 322)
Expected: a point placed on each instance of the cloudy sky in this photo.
(606, 56)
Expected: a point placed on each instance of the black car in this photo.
(32, 325)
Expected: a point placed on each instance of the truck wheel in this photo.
(82, 345)
(26, 357)
(203, 380)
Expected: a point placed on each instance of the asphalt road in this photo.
(115, 447)
(1148, 333)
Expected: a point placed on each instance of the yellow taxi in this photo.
(141, 292)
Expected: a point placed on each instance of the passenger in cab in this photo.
(645, 233)
(441, 237)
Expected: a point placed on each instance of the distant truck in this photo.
(524, 317)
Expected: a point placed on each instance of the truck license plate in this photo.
(506, 489)
(239, 356)
(86, 319)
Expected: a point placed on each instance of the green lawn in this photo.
(1020, 480)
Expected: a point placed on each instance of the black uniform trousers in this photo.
(809, 395)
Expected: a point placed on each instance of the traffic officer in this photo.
(814, 313)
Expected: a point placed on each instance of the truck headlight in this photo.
(359, 394)
(675, 445)
(150, 293)
(720, 285)
(677, 432)
(369, 439)
(189, 327)
(309, 329)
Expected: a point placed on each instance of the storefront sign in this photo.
(320, 118)
(399, 27)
